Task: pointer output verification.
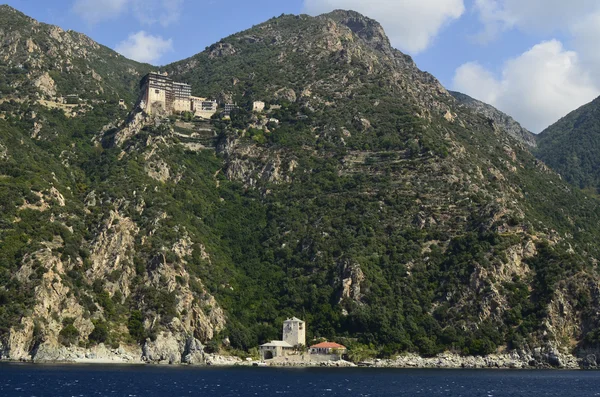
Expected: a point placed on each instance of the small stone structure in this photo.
(294, 332)
(276, 348)
(294, 338)
(258, 106)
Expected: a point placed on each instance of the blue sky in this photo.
(534, 59)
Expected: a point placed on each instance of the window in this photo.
(157, 91)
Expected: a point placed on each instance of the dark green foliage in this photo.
(211, 347)
(69, 335)
(571, 146)
(100, 334)
(135, 325)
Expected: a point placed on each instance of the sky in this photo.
(536, 60)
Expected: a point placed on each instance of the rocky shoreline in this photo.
(193, 354)
(498, 361)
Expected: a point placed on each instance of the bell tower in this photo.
(294, 332)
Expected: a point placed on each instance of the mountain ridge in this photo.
(501, 119)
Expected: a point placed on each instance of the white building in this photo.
(203, 107)
(294, 335)
(276, 348)
(294, 332)
(159, 92)
(258, 106)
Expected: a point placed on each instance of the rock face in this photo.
(165, 349)
(539, 358)
(87, 68)
(98, 354)
(500, 120)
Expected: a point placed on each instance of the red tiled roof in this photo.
(328, 345)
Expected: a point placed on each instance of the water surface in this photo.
(149, 381)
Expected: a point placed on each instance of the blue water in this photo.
(149, 381)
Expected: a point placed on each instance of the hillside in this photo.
(570, 146)
(367, 201)
(44, 62)
(502, 120)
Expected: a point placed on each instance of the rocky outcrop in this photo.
(350, 278)
(3, 152)
(500, 120)
(46, 85)
(193, 353)
(166, 349)
(98, 354)
(113, 246)
(221, 361)
(137, 120)
(286, 94)
(367, 29)
(539, 358)
(221, 50)
(158, 169)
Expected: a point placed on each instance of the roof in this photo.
(293, 320)
(277, 343)
(328, 345)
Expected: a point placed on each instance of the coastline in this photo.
(512, 361)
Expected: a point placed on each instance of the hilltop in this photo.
(366, 200)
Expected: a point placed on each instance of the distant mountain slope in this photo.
(365, 199)
(501, 120)
(571, 146)
(47, 62)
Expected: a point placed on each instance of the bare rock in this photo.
(194, 352)
(350, 278)
(46, 84)
(3, 152)
(166, 349)
(286, 94)
(222, 361)
(221, 50)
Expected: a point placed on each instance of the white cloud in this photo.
(539, 16)
(164, 12)
(585, 40)
(537, 88)
(144, 47)
(411, 24)
(94, 11)
(148, 12)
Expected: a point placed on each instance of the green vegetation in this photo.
(362, 211)
(69, 335)
(571, 146)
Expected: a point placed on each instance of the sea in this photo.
(148, 381)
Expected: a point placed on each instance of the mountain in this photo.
(570, 146)
(45, 61)
(501, 120)
(366, 200)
